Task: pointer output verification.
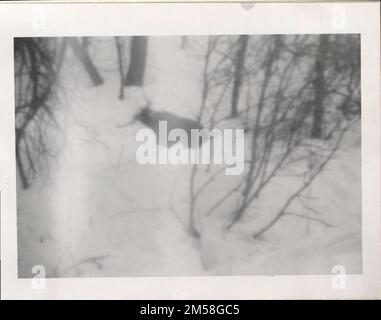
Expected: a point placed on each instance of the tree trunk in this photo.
(119, 51)
(238, 72)
(80, 51)
(135, 75)
(319, 88)
(20, 167)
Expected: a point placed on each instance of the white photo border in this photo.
(123, 19)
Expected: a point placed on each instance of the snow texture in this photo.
(95, 212)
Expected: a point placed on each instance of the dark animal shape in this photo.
(151, 119)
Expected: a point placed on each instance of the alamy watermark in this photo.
(38, 281)
(195, 146)
(339, 277)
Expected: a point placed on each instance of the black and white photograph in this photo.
(86, 206)
(194, 155)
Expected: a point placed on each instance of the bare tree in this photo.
(215, 81)
(138, 56)
(278, 117)
(319, 86)
(298, 194)
(82, 54)
(272, 56)
(343, 73)
(37, 63)
(238, 72)
(119, 49)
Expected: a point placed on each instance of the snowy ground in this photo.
(98, 213)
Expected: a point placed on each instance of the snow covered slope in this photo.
(96, 212)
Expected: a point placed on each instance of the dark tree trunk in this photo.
(319, 88)
(135, 75)
(119, 51)
(80, 51)
(238, 72)
(20, 167)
